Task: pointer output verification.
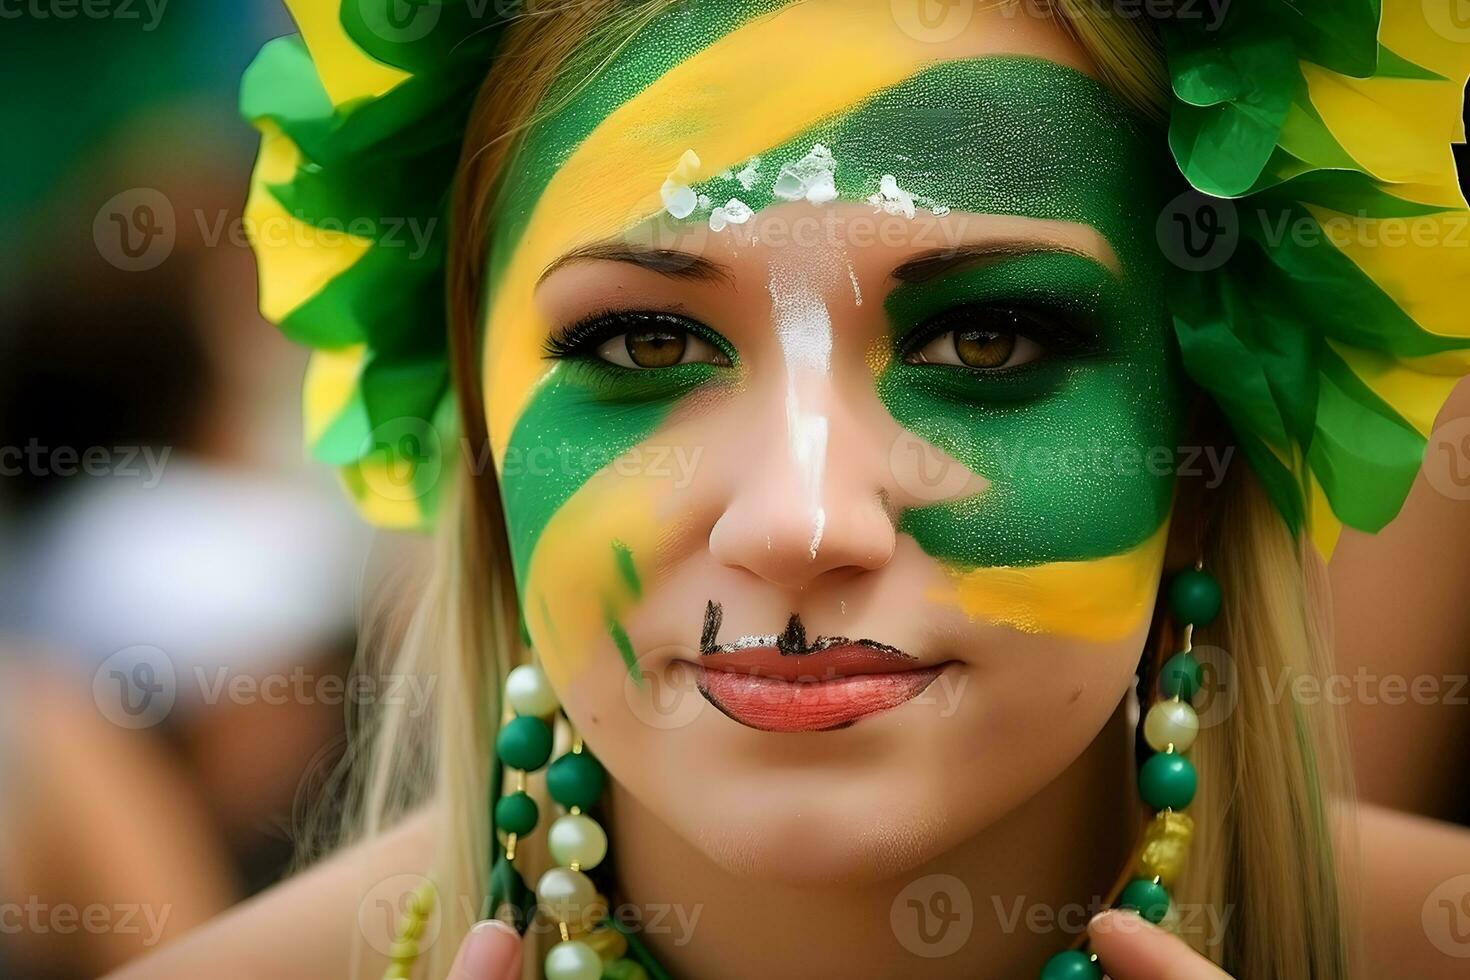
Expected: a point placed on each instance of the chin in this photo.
(814, 835)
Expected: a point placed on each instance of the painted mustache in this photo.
(758, 682)
(790, 642)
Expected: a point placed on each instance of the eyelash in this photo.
(1058, 331)
(582, 338)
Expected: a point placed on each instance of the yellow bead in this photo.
(1165, 846)
(609, 944)
(421, 902)
(1170, 723)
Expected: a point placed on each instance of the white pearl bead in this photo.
(573, 960)
(1170, 721)
(529, 692)
(577, 839)
(566, 894)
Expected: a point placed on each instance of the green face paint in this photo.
(969, 137)
(584, 417)
(1078, 446)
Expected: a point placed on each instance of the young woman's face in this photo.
(827, 375)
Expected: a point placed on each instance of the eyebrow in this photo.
(931, 265)
(667, 262)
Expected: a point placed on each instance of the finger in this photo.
(491, 951)
(1132, 948)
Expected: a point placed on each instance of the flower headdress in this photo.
(1326, 242)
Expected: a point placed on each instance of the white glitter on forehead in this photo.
(895, 200)
(812, 178)
(750, 174)
(678, 197)
(732, 212)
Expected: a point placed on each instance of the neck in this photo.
(1033, 879)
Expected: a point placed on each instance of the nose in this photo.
(808, 499)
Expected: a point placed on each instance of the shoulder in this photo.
(1412, 895)
(330, 920)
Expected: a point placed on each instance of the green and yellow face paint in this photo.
(719, 111)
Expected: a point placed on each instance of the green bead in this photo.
(1071, 965)
(624, 969)
(1167, 781)
(1148, 897)
(1194, 596)
(1180, 677)
(576, 779)
(524, 743)
(516, 814)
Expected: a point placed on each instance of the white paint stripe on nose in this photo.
(804, 330)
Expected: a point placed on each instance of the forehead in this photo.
(1001, 118)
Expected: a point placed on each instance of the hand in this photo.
(490, 951)
(1129, 947)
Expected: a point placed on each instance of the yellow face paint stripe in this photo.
(296, 261)
(574, 584)
(1101, 600)
(346, 72)
(627, 157)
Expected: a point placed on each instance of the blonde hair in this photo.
(1264, 839)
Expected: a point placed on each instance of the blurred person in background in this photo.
(177, 591)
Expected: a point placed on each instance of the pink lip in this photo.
(763, 689)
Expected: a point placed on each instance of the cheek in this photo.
(588, 492)
(1069, 537)
(587, 571)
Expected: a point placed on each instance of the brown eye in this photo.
(653, 347)
(980, 349)
(983, 350)
(656, 348)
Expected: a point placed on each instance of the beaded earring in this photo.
(590, 946)
(1166, 780)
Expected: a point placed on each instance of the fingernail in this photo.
(1118, 920)
(491, 951)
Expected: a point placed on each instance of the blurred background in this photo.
(180, 589)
